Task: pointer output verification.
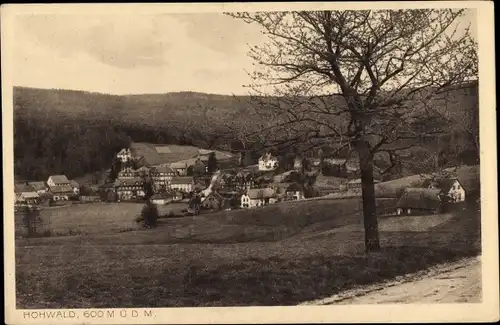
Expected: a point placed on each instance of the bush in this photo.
(149, 215)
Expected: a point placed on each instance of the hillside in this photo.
(149, 109)
(63, 131)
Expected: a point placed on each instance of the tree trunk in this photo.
(372, 241)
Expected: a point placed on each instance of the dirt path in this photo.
(450, 283)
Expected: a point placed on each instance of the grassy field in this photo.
(467, 175)
(94, 218)
(261, 256)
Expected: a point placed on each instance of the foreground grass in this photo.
(155, 272)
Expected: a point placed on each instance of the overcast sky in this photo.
(132, 54)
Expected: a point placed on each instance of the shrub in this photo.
(149, 215)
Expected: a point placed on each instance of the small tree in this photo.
(149, 215)
(148, 189)
(212, 163)
(116, 167)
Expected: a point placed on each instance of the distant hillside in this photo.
(145, 109)
(78, 132)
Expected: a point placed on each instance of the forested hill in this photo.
(150, 109)
(77, 132)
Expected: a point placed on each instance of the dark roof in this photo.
(59, 179)
(420, 198)
(61, 189)
(163, 169)
(258, 193)
(129, 182)
(182, 180)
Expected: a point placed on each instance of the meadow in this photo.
(282, 254)
(94, 218)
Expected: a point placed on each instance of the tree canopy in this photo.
(369, 80)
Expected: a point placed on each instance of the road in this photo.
(450, 283)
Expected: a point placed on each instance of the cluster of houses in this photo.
(56, 188)
(433, 196)
(236, 187)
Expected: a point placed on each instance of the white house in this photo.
(60, 187)
(182, 183)
(268, 162)
(124, 155)
(257, 197)
(450, 187)
(58, 180)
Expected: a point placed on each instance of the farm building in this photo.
(420, 201)
(161, 176)
(451, 187)
(182, 183)
(181, 167)
(268, 162)
(257, 197)
(214, 201)
(289, 191)
(61, 193)
(29, 198)
(60, 187)
(58, 180)
(127, 189)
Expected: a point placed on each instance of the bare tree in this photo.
(363, 79)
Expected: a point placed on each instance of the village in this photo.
(214, 180)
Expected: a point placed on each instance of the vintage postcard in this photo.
(249, 163)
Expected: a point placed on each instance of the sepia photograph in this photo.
(174, 163)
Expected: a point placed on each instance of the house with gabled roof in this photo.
(182, 183)
(268, 162)
(420, 201)
(60, 187)
(161, 176)
(128, 189)
(451, 187)
(214, 201)
(258, 197)
(166, 197)
(29, 198)
(58, 180)
(124, 155)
